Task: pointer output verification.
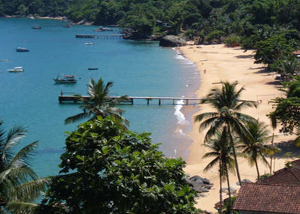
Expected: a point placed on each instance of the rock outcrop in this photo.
(199, 184)
(171, 41)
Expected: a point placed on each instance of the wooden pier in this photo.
(103, 36)
(131, 100)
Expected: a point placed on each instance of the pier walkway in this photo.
(103, 36)
(131, 100)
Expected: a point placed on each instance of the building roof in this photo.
(296, 52)
(285, 176)
(255, 197)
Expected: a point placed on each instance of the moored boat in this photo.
(37, 27)
(65, 79)
(16, 69)
(20, 49)
(100, 29)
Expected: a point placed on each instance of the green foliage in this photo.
(287, 110)
(19, 184)
(99, 103)
(232, 41)
(104, 168)
(227, 209)
(215, 36)
(270, 50)
(263, 176)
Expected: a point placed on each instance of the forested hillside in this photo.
(240, 21)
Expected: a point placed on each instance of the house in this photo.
(297, 53)
(279, 193)
(287, 176)
(256, 198)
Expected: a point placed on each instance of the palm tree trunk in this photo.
(229, 193)
(258, 176)
(234, 154)
(221, 200)
(271, 156)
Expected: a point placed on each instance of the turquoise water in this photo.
(137, 69)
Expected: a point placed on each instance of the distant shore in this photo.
(219, 63)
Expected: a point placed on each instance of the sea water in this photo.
(30, 98)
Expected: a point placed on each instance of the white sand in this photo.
(229, 64)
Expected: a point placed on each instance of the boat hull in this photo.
(64, 81)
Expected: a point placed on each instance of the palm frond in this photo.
(23, 155)
(31, 190)
(77, 117)
(211, 164)
(21, 207)
(14, 136)
(206, 115)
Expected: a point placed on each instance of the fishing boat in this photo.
(16, 69)
(20, 49)
(92, 68)
(65, 79)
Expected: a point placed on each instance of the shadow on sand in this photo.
(245, 56)
(287, 147)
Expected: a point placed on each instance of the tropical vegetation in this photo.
(257, 147)
(221, 152)
(19, 184)
(228, 105)
(106, 168)
(287, 109)
(99, 103)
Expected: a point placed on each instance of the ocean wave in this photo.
(180, 117)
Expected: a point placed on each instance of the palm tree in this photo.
(221, 151)
(99, 103)
(228, 105)
(19, 184)
(255, 148)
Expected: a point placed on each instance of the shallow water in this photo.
(137, 69)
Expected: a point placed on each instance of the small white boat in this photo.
(88, 43)
(16, 69)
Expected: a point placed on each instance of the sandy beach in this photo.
(219, 63)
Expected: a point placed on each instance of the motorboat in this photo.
(92, 68)
(100, 29)
(88, 43)
(16, 69)
(65, 79)
(20, 49)
(36, 27)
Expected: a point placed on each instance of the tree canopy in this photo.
(107, 169)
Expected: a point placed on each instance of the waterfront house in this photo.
(279, 193)
(256, 198)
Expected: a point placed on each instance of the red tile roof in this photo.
(268, 198)
(285, 176)
(296, 52)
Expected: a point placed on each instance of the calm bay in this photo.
(30, 98)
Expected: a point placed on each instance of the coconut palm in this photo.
(99, 103)
(255, 148)
(19, 184)
(221, 152)
(227, 103)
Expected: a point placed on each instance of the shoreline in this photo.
(219, 63)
